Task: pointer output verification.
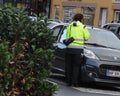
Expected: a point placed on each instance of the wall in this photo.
(80, 4)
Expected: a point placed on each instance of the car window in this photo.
(105, 26)
(112, 28)
(98, 36)
(104, 37)
(56, 30)
(118, 33)
(63, 36)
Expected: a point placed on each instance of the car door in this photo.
(59, 53)
(56, 29)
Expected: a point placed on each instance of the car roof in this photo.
(113, 23)
(54, 24)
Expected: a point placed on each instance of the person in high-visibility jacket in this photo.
(80, 33)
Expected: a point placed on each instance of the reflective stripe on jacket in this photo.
(77, 30)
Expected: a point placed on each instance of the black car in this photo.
(101, 58)
(114, 27)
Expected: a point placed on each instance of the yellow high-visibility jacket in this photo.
(78, 31)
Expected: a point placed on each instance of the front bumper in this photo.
(95, 71)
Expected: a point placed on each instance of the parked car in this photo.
(114, 27)
(56, 27)
(101, 57)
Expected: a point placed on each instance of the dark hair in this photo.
(78, 17)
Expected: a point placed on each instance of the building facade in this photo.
(96, 12)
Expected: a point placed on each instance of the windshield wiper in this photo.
(99, 45)
(95, 44)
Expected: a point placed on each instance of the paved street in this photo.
(85, 90)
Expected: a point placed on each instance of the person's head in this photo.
(78, 17)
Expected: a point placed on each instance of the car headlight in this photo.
(90, 54)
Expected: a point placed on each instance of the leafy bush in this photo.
(26, 55)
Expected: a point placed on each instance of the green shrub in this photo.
(26, 55)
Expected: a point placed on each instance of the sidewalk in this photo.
(70, 91)
(64, 90)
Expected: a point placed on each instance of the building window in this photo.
(68, 14)
(103, 16)
(117, 15)
(88, 13)
(57, 11)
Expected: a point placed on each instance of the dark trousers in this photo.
(73, 65)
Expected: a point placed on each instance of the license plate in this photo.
(113, 73)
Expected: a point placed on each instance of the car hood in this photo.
(106, 54)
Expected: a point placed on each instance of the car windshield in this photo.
(103, 38)
(99, 37)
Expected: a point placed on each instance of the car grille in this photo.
(104, 68)
(110, 67)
